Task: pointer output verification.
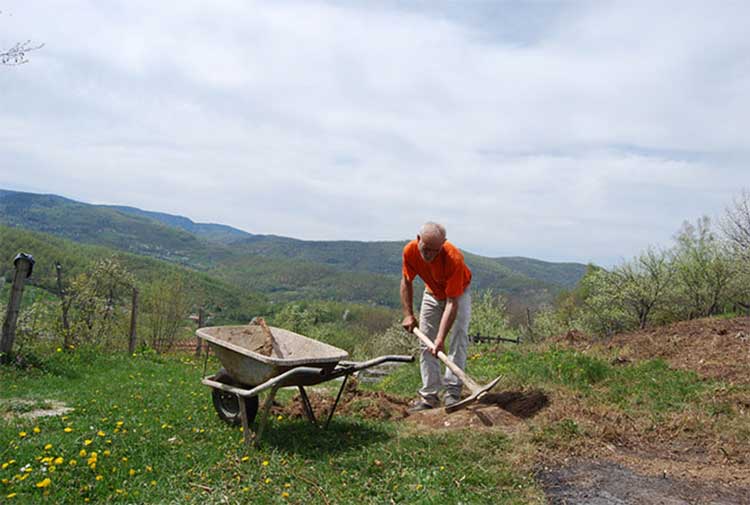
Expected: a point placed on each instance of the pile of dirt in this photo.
(375, 405)
(506, 409)
(573, 337)
(714, 348)
(258, 325)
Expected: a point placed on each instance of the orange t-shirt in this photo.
(447, 276)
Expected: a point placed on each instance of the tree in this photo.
(95, 298)
(167, 309)
(704, 269)
(489, 315)
(736, 224)
(641, 285)
(16, 55)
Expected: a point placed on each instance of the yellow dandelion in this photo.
(287, 485)
(285, 495)
(87, 441)
(59, 460)
(11, 495)
(48, 447)
(106, 452)
(245, 489)
(67, 429)
(268, 480)
(279, 418)
(44, 483)
(59, 349)
(153, 482)
(131, 472)
(265, 463)
(100, 433)
(120, 423)
(124, 459)
(82, 453)
(36, 429)
(22, 434)
(72, 462)
(149, 468)
(99, 477)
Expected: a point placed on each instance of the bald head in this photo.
(430, 240)
(433, 230)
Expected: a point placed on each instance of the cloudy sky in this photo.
(580, 131)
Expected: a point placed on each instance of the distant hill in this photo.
(226, 301)
(220, 233)
(283, 268)
(101, 225)
(566, 275)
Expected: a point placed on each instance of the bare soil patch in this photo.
(603, 482)
(375, 405)
(713, 348)
(505, 409)
(20, 408)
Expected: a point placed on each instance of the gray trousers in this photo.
(457, 343)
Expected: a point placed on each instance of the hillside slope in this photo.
(284, 268)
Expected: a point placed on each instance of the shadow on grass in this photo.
(304, 439)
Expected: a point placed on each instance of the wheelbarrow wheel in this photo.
(227, 405)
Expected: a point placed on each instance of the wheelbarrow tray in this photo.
(233, 345)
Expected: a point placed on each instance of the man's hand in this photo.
(409, 323)
(439, 346)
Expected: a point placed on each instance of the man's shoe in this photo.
(419, 406)
(450, 400)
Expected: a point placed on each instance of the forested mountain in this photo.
(281, 267)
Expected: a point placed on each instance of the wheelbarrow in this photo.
(295, 360)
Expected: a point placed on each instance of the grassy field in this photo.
(143, 430)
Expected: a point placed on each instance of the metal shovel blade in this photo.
(475, 396)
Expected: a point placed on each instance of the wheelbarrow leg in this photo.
(307, 406)
(338, 397)
(245, 423)
(264, 416)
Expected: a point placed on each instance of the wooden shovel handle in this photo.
(473, 386)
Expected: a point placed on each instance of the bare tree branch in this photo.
(16, 55)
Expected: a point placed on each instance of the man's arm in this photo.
(407, 304)
(446, 323)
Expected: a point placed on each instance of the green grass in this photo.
(165, 443)
(158, 440)
(650, 386)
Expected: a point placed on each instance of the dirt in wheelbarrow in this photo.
(505, 409)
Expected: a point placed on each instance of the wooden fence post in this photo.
(133, 323)
(64, 305)
(198, 340)
(24, 264)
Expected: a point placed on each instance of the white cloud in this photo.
(586, 138)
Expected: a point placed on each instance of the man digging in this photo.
(446, 306)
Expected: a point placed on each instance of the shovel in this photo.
(477, 391)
